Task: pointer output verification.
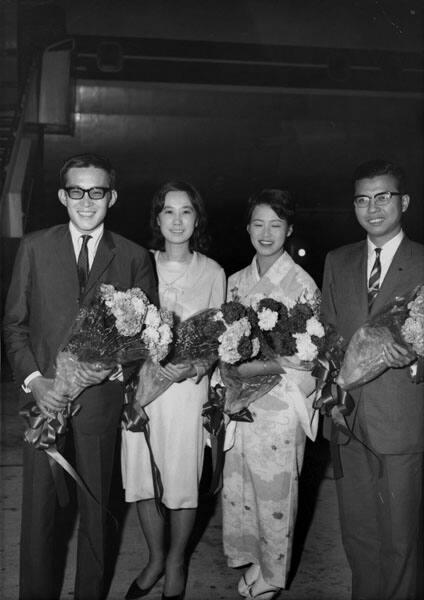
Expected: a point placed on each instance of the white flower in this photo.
(306, 350)
(152, 317)
(314, 327)
(267, 319)
(229, 340)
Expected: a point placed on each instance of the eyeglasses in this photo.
(380, 199)
(95, 193)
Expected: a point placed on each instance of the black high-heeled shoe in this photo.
(179, 596)
(135, 591)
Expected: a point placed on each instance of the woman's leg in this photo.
(181, 526)
(153, 526)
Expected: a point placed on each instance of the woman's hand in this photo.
(293, 362)
(396, 357)
(177, 372)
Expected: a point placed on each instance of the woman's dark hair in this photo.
(378, 167)
(199, 241)
(87, 160)
(281, 202)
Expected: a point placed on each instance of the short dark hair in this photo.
(281, 202)
(200, 239)
(87, 160)
(375, 168)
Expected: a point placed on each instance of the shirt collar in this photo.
(96, 234)
(391, 246)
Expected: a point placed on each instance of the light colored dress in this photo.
(262, 469)
(176, 433)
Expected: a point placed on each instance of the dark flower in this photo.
(233, 311)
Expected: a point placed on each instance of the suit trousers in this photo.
(380, 507)
(94, 431)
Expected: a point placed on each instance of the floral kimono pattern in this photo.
(262, 468)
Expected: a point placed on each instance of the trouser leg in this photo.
(37, 580)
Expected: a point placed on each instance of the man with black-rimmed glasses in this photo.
(380, 490)
(58, 270)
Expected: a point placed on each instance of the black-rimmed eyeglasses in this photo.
(95, 193)
(380, 199)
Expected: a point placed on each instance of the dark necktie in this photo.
(374, 279)
(82, 264)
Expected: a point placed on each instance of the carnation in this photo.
(306, 350)
(314, 327)
(413, 333)
(267, 319)
(152, 317)
(233, 311)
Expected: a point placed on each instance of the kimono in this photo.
(261, 470)
(177, 435)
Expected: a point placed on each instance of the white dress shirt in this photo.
(388, 250)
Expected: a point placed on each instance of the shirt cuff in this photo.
(28, 380)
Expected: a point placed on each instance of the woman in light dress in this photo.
(188, 282)
(261, 470)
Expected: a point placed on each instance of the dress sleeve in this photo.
(219, 286)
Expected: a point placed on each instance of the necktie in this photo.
(82, 264)
(374, 279)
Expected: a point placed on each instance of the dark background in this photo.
(236, 96)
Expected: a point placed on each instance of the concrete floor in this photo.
(319, 568)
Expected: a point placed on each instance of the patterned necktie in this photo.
(374, 279)
(82, 264)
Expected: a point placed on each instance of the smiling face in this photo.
(268, 232)
(87, 214)
(381, 223)
(177, 219)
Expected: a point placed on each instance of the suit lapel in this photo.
(64, 251)
(105, 254)
(358, 268)
(396, 273)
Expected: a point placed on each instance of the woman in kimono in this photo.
(262, 469)
(188, 282)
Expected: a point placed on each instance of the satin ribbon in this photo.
(42, 433)
(337, 404)
(214, 423)
(135, 419)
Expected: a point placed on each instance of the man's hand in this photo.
(88, 374)
(47, 399)
(396, 357)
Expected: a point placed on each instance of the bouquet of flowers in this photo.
(224, 334)
(290, 330)
(282, 329)
(117, 328)
(401, 321)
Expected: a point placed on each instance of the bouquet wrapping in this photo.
(401, 321)
(117, 328)
(201, 340)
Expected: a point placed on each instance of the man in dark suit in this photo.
(380, 492)
(49, 285)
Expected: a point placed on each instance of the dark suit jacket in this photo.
(391, 407)
(43, 298)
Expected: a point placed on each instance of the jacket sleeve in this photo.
(17, 316)
(328, 304)
(145, 276)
